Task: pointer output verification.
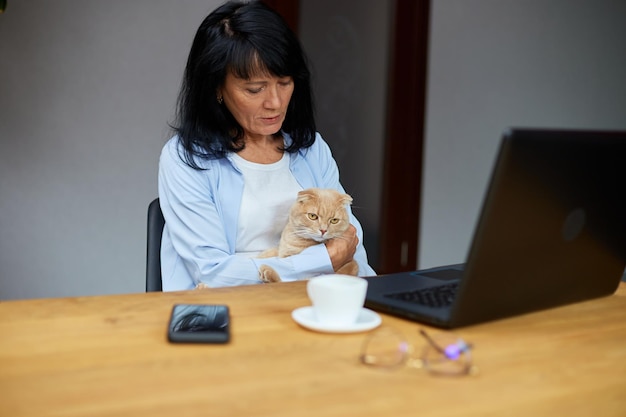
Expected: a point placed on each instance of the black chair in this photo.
(153, 258)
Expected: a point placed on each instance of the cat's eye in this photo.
(312, 216)
(334, 221)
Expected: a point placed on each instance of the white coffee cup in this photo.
(337, 299)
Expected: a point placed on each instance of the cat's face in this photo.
(320, 214)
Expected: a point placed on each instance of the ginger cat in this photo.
(318, 215)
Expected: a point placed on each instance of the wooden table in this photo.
(109, 356)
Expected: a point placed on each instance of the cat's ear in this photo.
(346, 199)
(305, 195)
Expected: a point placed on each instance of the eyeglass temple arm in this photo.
(432, 342)
(453, 353)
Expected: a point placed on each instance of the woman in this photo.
(245, 145)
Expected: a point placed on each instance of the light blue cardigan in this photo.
(201, 209)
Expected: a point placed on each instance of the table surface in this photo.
(109, 356)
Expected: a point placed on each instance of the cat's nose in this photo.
(323, 231)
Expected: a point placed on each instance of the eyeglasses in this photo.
(444, 354)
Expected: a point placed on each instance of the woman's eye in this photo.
(334, 221)
(312, 216)
(254, 90)
(285, 81)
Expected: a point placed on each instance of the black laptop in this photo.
(552, 231)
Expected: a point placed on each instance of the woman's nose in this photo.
(272, 99)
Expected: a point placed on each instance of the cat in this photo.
(318, 215)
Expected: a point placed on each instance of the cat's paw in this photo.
(267, 274)
(201, 286)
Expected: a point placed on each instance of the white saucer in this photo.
(305, 317)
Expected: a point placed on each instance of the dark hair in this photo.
(241, 38)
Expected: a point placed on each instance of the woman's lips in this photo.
(271, 120)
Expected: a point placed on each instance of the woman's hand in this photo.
(341, 249)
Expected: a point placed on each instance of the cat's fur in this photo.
(318, 215)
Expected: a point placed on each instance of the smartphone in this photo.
(199, 323)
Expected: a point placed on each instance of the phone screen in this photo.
(199, 323)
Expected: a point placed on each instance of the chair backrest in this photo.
(153, 258)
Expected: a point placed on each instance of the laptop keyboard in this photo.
(436, 297)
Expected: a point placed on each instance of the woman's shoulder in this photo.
(318, 147)
(174, 152)
(171, 147)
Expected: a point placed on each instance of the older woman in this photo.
(245, 144)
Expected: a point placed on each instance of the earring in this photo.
(220, 99)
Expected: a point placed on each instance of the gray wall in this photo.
(87, 89)
(500, 63)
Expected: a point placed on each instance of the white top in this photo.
(269, 191)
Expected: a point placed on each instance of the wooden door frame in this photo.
(289, 10)
(404, 141)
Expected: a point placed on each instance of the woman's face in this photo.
(259, 104)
